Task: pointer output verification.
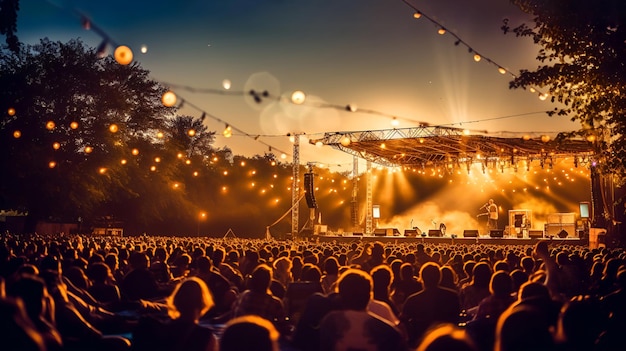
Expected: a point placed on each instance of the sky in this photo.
(372, 54)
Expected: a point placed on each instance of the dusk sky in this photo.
(369, 53)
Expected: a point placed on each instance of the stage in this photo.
(447, 239)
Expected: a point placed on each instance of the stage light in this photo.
(123, 55)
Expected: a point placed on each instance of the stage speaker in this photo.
(309, 190)
(563, 234)
(380, 232)
(434, 232)
(535, 233)
(357, 234)
(496, 233)
(470, 233)
(410, 232)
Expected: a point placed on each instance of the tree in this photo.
(8, 23)
(582, 67)
(79, 131)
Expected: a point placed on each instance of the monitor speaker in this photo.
(470, 233)
(410, 232)
(380, 232)
(496, 233)
(434, 232)
(535, 233)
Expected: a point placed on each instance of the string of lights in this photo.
(471, 50)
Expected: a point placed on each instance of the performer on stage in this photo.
(492, 209)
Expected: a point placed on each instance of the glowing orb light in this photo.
(191, 132)
(56, 145)
(160, 135)
(88, 149)
(135, 152)
(123, 55)
(345, 141)
(168, 99)
(226, 84)
(123, 161)
(52, 164)
(17, 134)
(11, 111)
(50, 125)
(113, 128)
(298, 97)
(74, 125)
(144, 49)
(545, 138)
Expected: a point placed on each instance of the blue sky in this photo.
(370, 53)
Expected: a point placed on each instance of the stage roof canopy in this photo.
(438, 146)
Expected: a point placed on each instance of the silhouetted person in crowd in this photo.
(249, 333)
(446, 337)
(139, 282)
(353, 328)
(190, 300)
(257, 300)
(431, 306)
(523, 328)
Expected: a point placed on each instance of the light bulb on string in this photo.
(298, 97)
(56, 145)
(144, 49)
(168, 99)
(501, 70)
(543, 96)
(226, 84)
(113, 128)
(228, 131)
(123, 55)
(283, 156)
(441, 31)
(17, 134)
(417, 15)
(345, 141)
(11, 111)
(50, 125)
(477, 57)
(74, 125)
(191, 132)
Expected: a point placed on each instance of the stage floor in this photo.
(448, 240)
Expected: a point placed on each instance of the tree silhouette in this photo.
(582, 68)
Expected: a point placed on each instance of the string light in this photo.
(168, 99)
(123, 55)
(74, 125)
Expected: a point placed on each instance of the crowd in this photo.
(162, 293)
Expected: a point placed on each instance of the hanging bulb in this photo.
(74, 125)
(477, 57)
(501, 70)
(144, 49)
(228, 132)
(113, 128)
(417, 15)
(441, 31)
(345, 141)
(298, 97)
(168, 99)
(50, 125)
(226, 84)
(395, 122)
(11, 111)
(123, 55)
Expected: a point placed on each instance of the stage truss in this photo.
(428, 146)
